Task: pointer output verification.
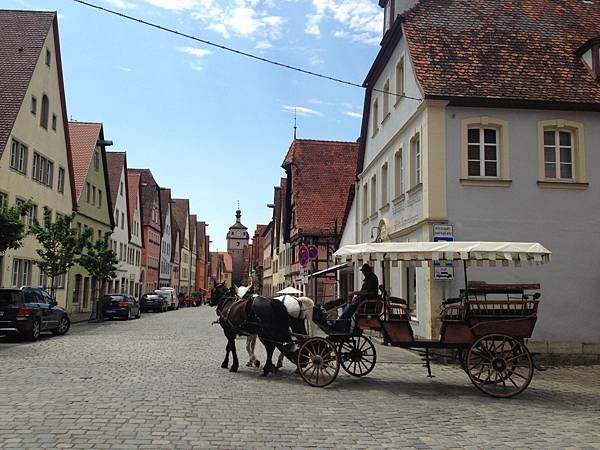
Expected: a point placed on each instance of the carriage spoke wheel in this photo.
(499, 365)
(357, 356)
(318, 362)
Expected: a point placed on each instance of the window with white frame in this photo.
(32, 215)
(61, 180)
(373, 194)
(42, 169)
(43, 280)
(365, 201)
(417, 173)
(559, 154)
(398, 173)
(375, 116)
(18, 156)
(384, 184)
(21, 273)
(3, 199)
(399, 80)
(483, 152)
(386, 99)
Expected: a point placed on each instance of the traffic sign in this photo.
(303, 255)
(313, 252)
(443, 233)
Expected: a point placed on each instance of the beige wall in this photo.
(49, 143)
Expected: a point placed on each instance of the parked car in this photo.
(169, 294)
(120, 305)
(31, 311)
(154, 302)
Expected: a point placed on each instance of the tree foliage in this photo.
(12, 226)
(61, 246)
(99, 259)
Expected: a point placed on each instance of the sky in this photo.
(211, 125)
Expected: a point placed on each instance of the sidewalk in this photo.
(79, 317)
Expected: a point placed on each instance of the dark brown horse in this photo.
(261, 316)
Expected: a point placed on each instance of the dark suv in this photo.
(29, 311)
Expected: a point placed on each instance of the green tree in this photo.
(101, 263)
(12, 225)
(61, 246)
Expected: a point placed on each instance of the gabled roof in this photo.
(21, 42)
(115, 164)
(322, 174)
(149, 193)
(133, 191)
(165, 200)
(193, 221)
(515, 52)
(84, 137)
(180, 209)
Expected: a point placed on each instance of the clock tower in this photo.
(237, 247)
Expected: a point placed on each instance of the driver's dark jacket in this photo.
(370, 286)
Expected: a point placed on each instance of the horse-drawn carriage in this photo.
(486, 325)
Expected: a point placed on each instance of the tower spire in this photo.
(295, 123)
(238, 213)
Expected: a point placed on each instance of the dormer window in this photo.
(590, 55)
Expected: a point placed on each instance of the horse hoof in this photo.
(279, 365)
(257, 363)
(264, 374)
(274, 369)
(233, 369)
(249, 364)
(224, 366)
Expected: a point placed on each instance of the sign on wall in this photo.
(443, 233)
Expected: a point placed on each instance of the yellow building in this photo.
(94, 208)
(35, 160)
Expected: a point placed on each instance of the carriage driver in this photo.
(369, 289)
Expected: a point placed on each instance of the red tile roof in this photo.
(180, 209)
(149, 192)
(21, 41)
(322, 175)
(115, 162)
(193, 220)
(503, 49)
(133, 188)
(84, 137)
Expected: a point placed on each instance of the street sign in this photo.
(443, 233)
(303, 255)
(304, 272)
(313, 252)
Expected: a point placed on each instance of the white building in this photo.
(135, 236)
(479, 118)
(166, 239)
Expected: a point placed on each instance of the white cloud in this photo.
(314, 101)
(121, 4)
(194, 51)
(174, 5)
(249, 19)
(301, 110)
(353, 114)
(198, 54)
(124, 68)
(263, 45)
(361, 20)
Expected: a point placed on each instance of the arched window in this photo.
(45, 112)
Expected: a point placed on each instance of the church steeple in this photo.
(238, 214)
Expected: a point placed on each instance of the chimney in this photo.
(393, 8)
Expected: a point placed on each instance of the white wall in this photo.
(567, 222)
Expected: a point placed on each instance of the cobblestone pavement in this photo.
(157, 383)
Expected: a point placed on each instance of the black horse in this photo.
(261, 316)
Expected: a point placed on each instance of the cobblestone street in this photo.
(157, 383)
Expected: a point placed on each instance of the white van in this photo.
(169, 292)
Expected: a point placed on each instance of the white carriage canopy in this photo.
(504, 253)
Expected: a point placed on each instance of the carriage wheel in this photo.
(357, 356)
(318, 362)
(499, 365)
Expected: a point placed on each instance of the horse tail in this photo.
(282, 322)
